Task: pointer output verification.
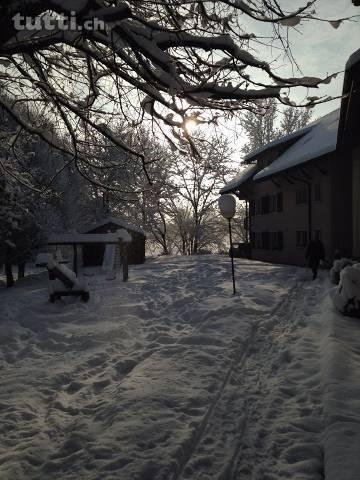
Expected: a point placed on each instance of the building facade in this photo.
(306, 185)
(280, 217)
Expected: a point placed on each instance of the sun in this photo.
(190, 125)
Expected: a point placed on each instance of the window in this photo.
(258, 243)
(301, 238)
(301, 196)
(272, 204)
(317, 192)
(265, 240)
(256, 240)
(265, 204)
(274, 240)
(277, 240)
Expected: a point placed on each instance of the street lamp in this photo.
(227, 206)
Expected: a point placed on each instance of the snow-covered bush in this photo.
(338, 265)
(346, 296)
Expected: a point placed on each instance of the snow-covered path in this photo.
(166, 377)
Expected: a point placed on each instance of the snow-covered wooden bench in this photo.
(64, 282)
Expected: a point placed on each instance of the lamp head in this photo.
(227, 206)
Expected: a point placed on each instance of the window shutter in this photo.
(280, 202)
(280, 240)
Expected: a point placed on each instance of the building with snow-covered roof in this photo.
(306, 185)
(93, 254)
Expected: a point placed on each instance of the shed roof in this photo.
(320, 139)
(118, 222)
(82, 238)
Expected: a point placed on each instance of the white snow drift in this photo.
(171, 377)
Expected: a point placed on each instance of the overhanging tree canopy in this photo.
(168, 59)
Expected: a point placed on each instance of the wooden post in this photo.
(124, 260)
(232, 257)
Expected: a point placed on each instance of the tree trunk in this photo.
(164, 245)
(21, 270)
(9, 275)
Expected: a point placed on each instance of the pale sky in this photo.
(322, 50)
(318, 48)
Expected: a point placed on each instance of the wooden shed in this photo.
(93, 254)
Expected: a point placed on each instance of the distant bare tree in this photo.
(262, 128)
(197, 181)
(293, 119)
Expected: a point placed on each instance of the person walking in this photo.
(314, 253)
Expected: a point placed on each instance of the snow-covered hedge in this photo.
(346, 296)
(338, 265)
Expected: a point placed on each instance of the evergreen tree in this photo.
(19, 232)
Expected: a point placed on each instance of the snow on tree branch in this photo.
(151, 59)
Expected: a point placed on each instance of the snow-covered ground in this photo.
(170, 377)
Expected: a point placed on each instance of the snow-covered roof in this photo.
(240, 178)
(353, 60)
(82, 238)
(117, 221)
(275, 143)
(319, 140)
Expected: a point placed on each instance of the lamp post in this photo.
(227, 206)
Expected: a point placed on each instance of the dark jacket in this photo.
(315, 252)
